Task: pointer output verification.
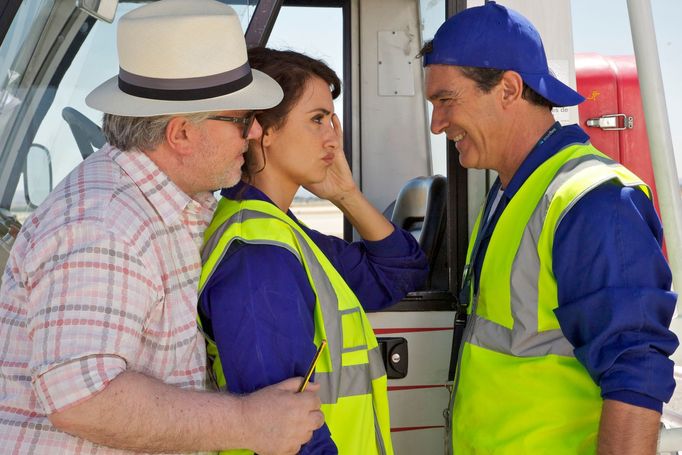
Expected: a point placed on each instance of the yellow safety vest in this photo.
(350, 370)
(519, 388)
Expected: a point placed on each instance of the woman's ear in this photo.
(512, 87)
(267, 138)
(254, 157)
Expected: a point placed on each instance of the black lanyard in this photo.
(463, 301)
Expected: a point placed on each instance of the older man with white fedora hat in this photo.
(101, 349)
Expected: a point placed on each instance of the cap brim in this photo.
(262, 93)
(552, 89)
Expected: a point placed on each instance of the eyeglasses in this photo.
(246, 121)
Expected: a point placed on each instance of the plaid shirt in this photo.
(102, 279)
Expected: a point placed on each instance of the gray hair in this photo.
(143, 133)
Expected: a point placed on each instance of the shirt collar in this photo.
(243, 191)
(166, 197)
(556, 138)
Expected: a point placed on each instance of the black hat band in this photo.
(187, 89)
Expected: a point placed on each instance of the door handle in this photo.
(394, 354)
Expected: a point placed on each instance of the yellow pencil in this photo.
(311, 368)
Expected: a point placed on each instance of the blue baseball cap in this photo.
(492, 36)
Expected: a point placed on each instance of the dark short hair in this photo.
(487, 78)
(292, 71)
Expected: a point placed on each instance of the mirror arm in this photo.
(104, 10)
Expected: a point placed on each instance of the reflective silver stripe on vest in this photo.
(353, 382)
(353, 378)
(519, 341)
(341, 381)
(362, 347)
(212, 242)
(524, 340)
(376, 364)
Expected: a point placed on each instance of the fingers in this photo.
(280, 419)
(313, 387)
(336, 123)
(313, 399)
(291, 384)
(310, 394)
(318, 417)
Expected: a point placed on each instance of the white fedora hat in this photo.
(180, 56)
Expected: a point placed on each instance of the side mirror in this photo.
(37, 175)
(104, 10)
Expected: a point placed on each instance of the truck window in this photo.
(94, 62)
(15, 53)
(432, 16)
(86, 64)
(82, 69)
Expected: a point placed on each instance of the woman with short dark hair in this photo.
(273, 289)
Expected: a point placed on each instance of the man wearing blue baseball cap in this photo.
(566, 287)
